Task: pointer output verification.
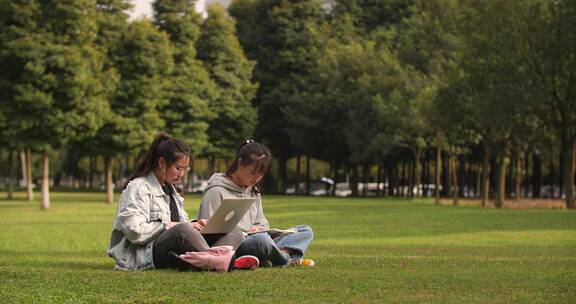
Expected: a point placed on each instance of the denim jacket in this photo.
(143, 212)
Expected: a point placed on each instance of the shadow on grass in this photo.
(9, 205)
(56, 260)
(68, 265)
(59, 222)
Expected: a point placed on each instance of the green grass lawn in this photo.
(366, 250)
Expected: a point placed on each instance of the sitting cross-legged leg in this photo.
(234, 239)
(295, 244)
(264, 248)
(175, 241)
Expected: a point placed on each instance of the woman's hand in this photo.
(199, 224)
(170, 225)
(255, 229)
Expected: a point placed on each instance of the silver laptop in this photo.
(228, 215)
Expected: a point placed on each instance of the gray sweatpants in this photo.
(182, 238)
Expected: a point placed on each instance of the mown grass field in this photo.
(366, 250)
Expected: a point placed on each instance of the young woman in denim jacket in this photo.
(151, 228)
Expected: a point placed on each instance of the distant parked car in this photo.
(318, 192)
(343, 189)
(549, 191)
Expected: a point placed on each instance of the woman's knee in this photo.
(236, 233)
(305, 229)
(261, 243)
(260, 239)
(186, 231)
(184, 227)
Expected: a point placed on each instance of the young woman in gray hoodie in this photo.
(242, 179)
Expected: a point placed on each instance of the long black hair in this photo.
(165, 146)
(250, 152)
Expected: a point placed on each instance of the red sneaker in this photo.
(246, 262)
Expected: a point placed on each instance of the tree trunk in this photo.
(45, 181)
(437, 174)
(526, 173)
(400, 186)
(334, 178)
(552, 173)
(282, 174)
(510, 175)
(327, 185)
(568, 170)
(211, 165)
(109, 182)
(454, 178)
(29, 192)
(486, 174)
(91, 173)
(519, 174)
(410, 178)
(297, 187)
(445, 176)
(379, 181)
(504, 160)
(450, 168)
(23, 168)
(391, 169)
(561, 174)
(308, 190)
(417, 171)
(11, 175)
(460, 174)
(425, 179)
(190, 180)
(364, 180)
(471, 191)
(478, 176)
(354, 181)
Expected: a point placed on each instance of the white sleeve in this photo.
(134, 214)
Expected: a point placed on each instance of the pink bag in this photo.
(216, 258)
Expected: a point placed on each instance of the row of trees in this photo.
(368, 81)
(370, 87)
(75, 74)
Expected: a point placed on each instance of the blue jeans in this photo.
(264, 247)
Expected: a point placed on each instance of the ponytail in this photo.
(165, 146)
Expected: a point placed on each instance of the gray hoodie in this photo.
(220, 187)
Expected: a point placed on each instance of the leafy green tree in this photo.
(221, 53)
(112, 25)
(112, 20)
(370, 15)
(18, 21)
(54, 92)
(190, 89)
(492, 86)
(343, 114)
(548, 34)
(6, 136)
(427, 44)
(143, 60)
(318, 115)
(282, 37)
